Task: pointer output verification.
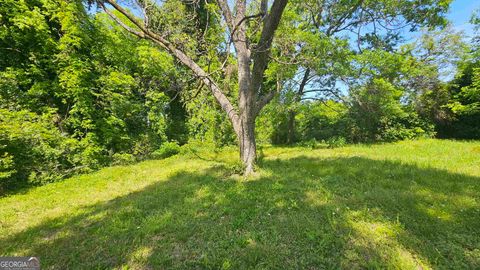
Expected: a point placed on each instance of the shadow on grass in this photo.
(304, 213)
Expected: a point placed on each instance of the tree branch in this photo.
(305, 79)
(178, 54)
(122, 24)
(262, 50)
(238, 34)
(227, 14)
(264, 100)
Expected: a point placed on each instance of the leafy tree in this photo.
(450, 106)
(93, 92)
(251, 31)
(331, 32)
(465, 90)
(465, 103)
(378, 114)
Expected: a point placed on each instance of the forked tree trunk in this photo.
(250, 77)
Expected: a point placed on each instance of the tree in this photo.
(251, 54)
(78, 92)
(333, 31)
(311, 29)
(464, 91)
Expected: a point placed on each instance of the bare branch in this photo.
(323, 102)
(264, 6)
(336, 27)
(122, 24)
(227, 14)
(246, 18)
(264, 100)
(305, 79)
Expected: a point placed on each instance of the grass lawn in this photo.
(407, 205)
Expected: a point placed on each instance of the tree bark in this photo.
(247, 144)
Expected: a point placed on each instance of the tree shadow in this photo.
(426, 216)
(302, 213)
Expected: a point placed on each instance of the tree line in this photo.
(90, 84)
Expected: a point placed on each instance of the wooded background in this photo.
(82, 86)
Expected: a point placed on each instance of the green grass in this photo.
(408, 205)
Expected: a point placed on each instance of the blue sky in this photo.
(460, 13)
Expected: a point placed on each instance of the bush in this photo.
(31, 149)
(336, 142)
(321, 121)
(34, 151)
(6, 167)
(312, 143)
(122, 159)
(167, 149)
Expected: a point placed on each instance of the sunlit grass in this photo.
(406, 205)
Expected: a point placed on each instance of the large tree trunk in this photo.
(246, 123)
(248, 147)
(245, 131)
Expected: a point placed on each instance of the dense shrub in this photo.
(335, 142)
(77, 93)
(122, 159)
(31, 149)
(376, 113)
(166, 150)
(321, 120)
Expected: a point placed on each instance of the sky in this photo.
(460, 13)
